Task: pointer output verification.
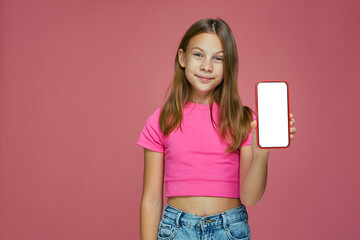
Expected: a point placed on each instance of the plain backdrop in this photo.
(78, 80)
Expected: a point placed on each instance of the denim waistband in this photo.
(224, 218)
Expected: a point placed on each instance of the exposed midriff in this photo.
(203, 205)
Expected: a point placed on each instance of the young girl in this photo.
(202, 144)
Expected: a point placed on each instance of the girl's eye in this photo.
(219, 58)
(197, 54)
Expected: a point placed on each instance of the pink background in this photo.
(79, 78)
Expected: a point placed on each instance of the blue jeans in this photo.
(177, 224)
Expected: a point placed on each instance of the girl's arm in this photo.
(152, 196)
(253, 175)
(253, 168)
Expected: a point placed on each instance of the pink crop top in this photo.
(196, 163)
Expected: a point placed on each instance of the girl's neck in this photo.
(202, 101)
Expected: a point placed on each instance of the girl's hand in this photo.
(292, 129)
(262, 152)
(257, 152)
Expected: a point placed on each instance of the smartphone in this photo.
(272, 111)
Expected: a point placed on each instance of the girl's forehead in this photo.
(206, 42)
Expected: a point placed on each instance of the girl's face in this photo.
(203, 62)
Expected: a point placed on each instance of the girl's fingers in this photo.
(292, 129)
(292, 121)
(292, 118)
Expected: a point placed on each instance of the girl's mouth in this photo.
(204, 79)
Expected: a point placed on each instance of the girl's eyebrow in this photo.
(204, 51)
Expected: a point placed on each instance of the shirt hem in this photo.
(202, 188)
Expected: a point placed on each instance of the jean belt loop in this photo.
(245, 213)
(224, 220)
(177, 218)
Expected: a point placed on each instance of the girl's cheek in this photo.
(194, 59)
(194, 62)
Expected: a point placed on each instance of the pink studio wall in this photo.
(79, 78)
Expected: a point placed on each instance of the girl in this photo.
(202, 144)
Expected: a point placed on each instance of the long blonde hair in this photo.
(234, 118)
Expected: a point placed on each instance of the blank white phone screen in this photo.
(272, 110)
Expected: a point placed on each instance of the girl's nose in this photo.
(206, 65)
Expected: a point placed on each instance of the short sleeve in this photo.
(249, 138)
(151, 136)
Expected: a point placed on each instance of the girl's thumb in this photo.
(253, 124)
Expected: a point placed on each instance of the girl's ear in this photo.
(181, 57)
